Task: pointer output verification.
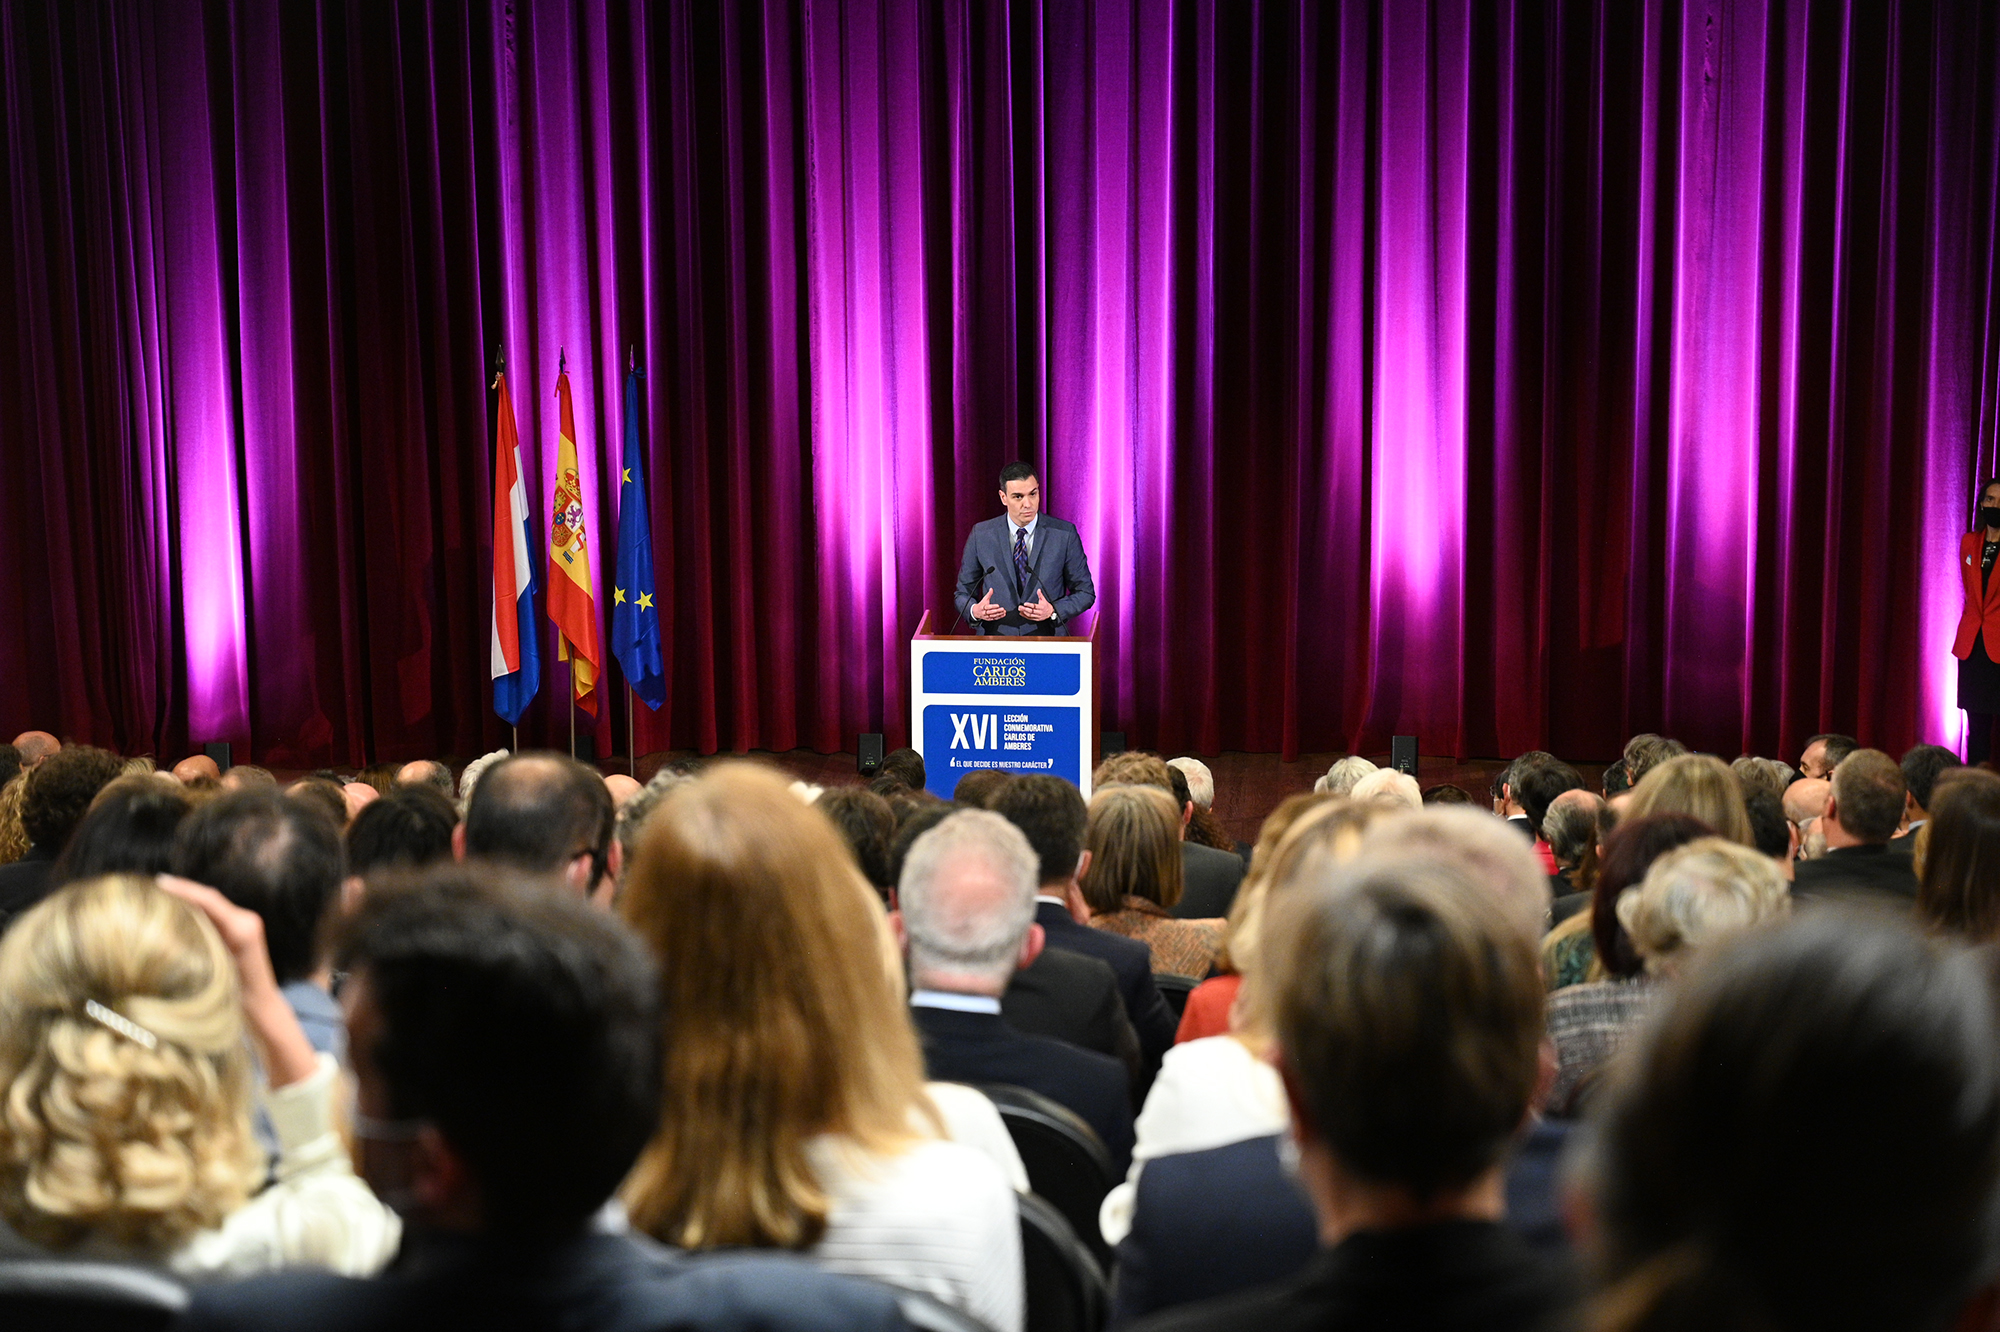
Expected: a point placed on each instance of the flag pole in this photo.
(572, 705)
(631, 746)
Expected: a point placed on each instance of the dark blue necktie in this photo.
(1021, 560)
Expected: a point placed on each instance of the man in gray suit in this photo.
(1023, 572)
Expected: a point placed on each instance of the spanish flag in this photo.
(572, 604)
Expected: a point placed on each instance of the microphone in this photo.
(959, 618)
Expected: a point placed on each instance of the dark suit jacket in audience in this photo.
(608, 1283)
(1131, 961)
(1075, 998)
(1472, 1275)
(1859, 875)
(1211, 1223)
(24, 883)
(981, 1047)
(1210, 881)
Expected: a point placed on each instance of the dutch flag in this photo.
(517, 661)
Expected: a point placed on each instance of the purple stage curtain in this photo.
(1513, 374)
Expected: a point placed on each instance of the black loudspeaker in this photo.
(870, 753)
(1403, 754)
(219, 751)
(1110, 742)
(586, 749)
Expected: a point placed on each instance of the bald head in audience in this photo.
(547, 814)
(1805, 799)
(426, 772)
(621, 787)
(35, 746)
(197, 768)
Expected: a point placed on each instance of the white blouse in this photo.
(1209, 1093)
(936, 1217)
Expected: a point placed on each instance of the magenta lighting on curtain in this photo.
(1514, 374)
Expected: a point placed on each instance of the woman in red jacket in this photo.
(1979, 627)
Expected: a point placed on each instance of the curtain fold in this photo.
(1514, 373)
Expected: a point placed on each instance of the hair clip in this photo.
(121, 1024)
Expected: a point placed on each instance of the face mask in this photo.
(1989, 517)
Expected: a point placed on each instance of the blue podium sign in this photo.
(1018, 704)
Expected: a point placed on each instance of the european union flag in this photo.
(635, 620)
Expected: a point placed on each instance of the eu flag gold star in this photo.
(617, 596)
(645, 601)
(626, 473)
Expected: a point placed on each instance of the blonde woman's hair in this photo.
(1325, 835)
(1697, 894)
(101, 1137)
(782, 1022)
(1698, 784)
(1135, 849)
(14, 841)
(1276, 824)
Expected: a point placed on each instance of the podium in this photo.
(1026, 705)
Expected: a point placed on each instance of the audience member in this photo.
(244, 776)
(1386, 786)
(129, 830)
(1762, 774)
(968, 918)
(632, 815)
(868, 825)
(506, 1053)
(1210, 876)
(13, 837)
(621, 788)
(800, 1119)
(34, 747)
(1222, 1089)
(1075, 999)
(1592, 945)
(1958, 889)
(912, 823)
(545, 813)
(1805, 800)
(1863, 812)
(427, 772)
(1341, 777)
(1205, 828)
(1133, 880)
(1510, 793)
(357, 795)
(1486, 851)
(1824, 753)
(10, 764)
(1617, 780)
(55, 795)
(904, 765)
(1691, 897)
(1770, 831)
(281, 859)
(1448, 793)
(127, 1081)
(1922, 766)
(1051, 814)
(1207, 1009)
(322, 795)
(1758, 1166)
(468, 777)
(1646, 751)
(198, 771)
(408, 829)
(1408, 1018)
(1572, 827)
(977, 787)
(1700, 785)
(1537, 787)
